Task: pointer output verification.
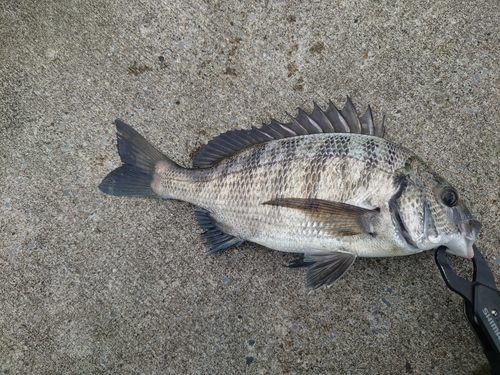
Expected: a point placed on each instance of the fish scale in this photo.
(326, 185)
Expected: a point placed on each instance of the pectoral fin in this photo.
(324, 268)
(338, 219)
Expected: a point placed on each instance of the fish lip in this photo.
(470, 251)
(469, 254)
(468, 230)
(470, 227)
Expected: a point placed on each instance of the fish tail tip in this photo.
(139, 158)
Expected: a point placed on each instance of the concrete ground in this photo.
(98, 284)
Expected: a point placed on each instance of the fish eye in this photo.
(449, 197)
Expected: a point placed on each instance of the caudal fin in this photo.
(139, 158)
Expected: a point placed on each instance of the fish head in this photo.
(430, 213)
(461, 227)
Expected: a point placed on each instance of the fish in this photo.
(326, 186)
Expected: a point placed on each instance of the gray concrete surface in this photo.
(96, 284)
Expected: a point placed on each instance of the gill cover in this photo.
(427, 212)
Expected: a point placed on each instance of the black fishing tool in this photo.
(481, 302)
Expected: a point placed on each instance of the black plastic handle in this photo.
(481, 303)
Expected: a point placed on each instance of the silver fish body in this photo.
(326, 185)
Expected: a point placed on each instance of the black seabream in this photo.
(326, 185)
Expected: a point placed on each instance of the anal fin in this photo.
(214, 236)
(323, 268)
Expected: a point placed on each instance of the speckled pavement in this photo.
(94, 284)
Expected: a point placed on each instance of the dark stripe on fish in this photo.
(395, 214)
(370, 150)
(284, 172)
(371, 160)
(228, 167)
(248, 163)
(253, 162)
(392, 155)
(430, 229)
(315, 170)
(256, 155)
(343, 144)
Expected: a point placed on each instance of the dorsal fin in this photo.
(330, 121)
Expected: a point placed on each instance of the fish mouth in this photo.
(465, 249)
(462, 246)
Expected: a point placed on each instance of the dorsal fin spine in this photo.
(351, 117)
(322, 119)
(339, 123)
(367, 122)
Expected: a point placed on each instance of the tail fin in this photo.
(139, 158)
